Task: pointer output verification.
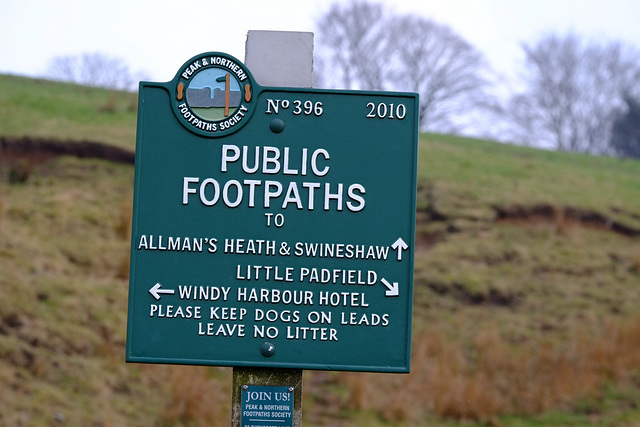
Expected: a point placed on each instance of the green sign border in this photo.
(257, 91)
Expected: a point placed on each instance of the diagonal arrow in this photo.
(392, 290)
(399, 245)
(156, 291)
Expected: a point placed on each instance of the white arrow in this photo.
(156, 291)
(392, 290)
(399, 245)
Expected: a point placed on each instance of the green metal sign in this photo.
(273, 227)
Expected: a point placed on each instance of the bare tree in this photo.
(93, 69)
(362, 45)
(447, 72)
(625, 133)
(352, 42)
(573, 91)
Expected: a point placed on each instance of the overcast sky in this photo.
(157, 37)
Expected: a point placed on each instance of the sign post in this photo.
(276, 58)
(273, 227)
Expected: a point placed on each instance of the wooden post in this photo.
(227, 91)
(285, 59)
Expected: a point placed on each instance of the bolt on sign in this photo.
(272, 227)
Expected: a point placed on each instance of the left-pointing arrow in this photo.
(156, 291)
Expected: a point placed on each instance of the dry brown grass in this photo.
(195, 399)
(634, 266)
(20, 171)
(122, 271)
(111, 104)
(494, 377)
(123, 226)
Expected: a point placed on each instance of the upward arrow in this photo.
(399, 245)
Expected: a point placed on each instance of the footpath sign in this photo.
(272, 227)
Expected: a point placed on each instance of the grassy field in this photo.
(41, 108)
(526, 305)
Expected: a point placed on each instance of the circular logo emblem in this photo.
(214, 94)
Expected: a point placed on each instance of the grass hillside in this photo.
(42, 108)
(526, 299)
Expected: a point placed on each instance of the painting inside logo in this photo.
(213, 94)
